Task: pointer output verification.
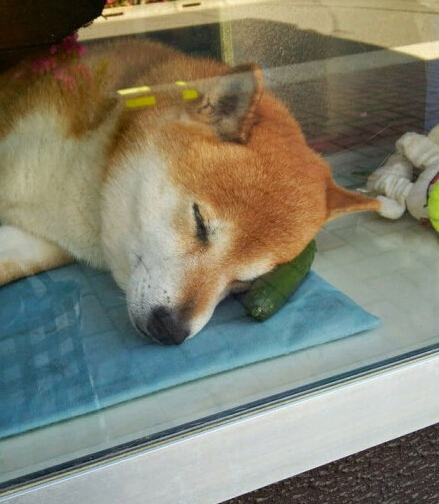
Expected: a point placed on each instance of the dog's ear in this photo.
(341, 201)
(229, 102)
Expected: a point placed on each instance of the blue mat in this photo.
(67, 346)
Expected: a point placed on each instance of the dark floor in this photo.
(402, 471)
(362, 107)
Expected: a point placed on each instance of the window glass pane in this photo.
(189, 181)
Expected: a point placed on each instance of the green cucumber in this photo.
(269, 292)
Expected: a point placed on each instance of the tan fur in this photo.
(181, 201)
(12, 270)
(22, 254)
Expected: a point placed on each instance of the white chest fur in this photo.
(50, 183)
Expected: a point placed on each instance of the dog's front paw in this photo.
(10, 270)
(22, 254)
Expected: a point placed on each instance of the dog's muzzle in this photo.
(163, 326)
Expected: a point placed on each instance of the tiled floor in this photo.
(363, 109)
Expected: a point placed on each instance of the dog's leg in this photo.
(22, 254)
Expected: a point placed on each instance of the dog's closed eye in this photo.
(201, 228)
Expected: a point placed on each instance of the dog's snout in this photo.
(164, 326)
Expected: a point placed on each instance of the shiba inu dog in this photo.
(181, 176)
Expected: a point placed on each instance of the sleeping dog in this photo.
(181, 176)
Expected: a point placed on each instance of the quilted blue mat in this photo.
(67, 346)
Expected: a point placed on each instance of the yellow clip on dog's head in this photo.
(143, 97)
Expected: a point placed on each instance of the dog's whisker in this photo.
(121, 296)
(123, 286)
(140, 260)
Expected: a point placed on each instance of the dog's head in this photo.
(203, 196)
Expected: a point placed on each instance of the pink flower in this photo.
(81, 50)
(65, 53)
(69, 43)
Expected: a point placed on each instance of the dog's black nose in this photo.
(164, 326)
